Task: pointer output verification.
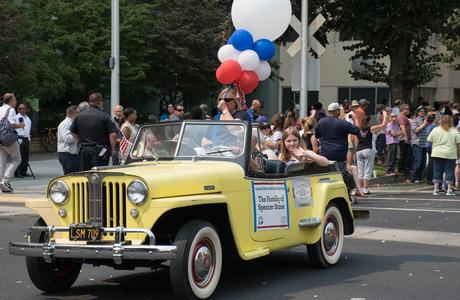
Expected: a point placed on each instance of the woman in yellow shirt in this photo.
(446, 150)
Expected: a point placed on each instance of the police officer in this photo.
(96, 134)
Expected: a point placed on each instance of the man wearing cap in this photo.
(333, 135)
(418, 141)
(351, 115)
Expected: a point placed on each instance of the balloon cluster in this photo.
(245, 56)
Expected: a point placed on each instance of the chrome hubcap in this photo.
(331, 235)
(203, 263)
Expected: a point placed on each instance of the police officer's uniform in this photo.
(93, 127)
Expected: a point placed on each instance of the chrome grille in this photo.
(100, 202)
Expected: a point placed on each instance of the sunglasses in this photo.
(227, 99)
(21, 108)
(179, 109)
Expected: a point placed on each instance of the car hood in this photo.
(180, 178)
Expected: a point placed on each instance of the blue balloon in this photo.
(265, 49)
(230, 41)
(242, 40)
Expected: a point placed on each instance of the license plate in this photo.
(84, 232)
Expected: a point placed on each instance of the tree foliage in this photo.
(401, 30)
(10, 44)
(59, 50)
(451, 40)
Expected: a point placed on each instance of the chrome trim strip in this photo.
(310, 222)
(119, 251)
(125, 252)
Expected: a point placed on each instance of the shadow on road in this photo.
(279, 276)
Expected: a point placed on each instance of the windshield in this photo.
(156, 141)
(213, 139)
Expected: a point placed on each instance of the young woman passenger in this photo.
(293, 149)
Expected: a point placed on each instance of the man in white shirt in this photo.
(10, 157)
(67, 144)
(23, 140)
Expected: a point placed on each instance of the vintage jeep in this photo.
(190, 194)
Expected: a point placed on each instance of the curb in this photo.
(387, 179)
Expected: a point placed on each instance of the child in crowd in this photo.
(392, 134)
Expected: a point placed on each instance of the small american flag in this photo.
(125, 146)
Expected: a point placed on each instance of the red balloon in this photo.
(228, 72)
(248, 81)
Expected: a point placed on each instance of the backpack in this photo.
(8, 135)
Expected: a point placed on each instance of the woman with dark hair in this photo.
(308, 134)
(277, 128)
(445, 141)
(128, 124)
(364, 153)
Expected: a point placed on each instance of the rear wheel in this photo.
(49, 143)
(327, 251)
(54, 277)
(196, 271)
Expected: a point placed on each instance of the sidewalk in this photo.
(45, 167)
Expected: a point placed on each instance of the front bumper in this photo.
(119, 251)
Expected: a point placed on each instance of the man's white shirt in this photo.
(11, 116)
(65, 141)
(23, 132)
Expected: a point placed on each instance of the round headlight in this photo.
(59, 192)
(137, 192)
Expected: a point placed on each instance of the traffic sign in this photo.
(315, 45)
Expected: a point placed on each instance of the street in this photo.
(408, 249)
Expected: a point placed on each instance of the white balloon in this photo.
(263, 70)
(249, 60)
(228, 52)
(266, 19)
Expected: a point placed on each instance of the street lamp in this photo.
(115, 56)
(304, 61)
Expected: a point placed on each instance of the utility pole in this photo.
(304, 61)
(115, 56)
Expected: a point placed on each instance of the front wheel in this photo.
(54, 277)
(327, 251)
(196, 271)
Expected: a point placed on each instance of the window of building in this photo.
(290, 99)
(374, 95)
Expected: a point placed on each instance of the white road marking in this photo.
(8, 211)
(407, 236)
(414, 199)
(411, 209)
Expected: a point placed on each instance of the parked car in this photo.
(191, 193)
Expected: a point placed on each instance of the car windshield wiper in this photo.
(220, 150)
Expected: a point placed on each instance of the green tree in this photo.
(451, 40)
(11, 50)
(400, 30)
(189, 36)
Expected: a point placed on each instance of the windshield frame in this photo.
(241, 159)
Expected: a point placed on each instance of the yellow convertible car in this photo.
(190, 194)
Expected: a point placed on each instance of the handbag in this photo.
(8, 135)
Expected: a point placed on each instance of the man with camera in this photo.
(96, 134)
(23, 140)
(418, 141)
(10, 157)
